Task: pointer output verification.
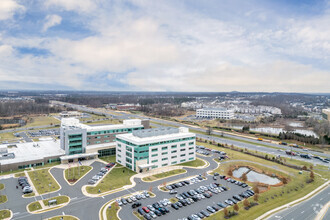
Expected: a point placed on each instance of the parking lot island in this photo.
(73, 174)
(163, 175)
(43, 181)
(48, 204)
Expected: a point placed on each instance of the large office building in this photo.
(80, 140)
(147, 149)
(215, 113)
(77, 142)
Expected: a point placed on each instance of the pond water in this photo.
(253, 176)
(270, 130)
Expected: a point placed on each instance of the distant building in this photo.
(215, 113)
(326, 113)
(70, 114)
(147, 149)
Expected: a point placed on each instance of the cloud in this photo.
(8, 8)
(72, 5)
(51, 20)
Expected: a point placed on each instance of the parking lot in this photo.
(195, 206)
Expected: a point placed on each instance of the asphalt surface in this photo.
(307, 209)
(80, 206)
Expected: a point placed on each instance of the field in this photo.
(7, 136)
(297, 186)
(43, 181)
(163, 175)
(41, 121)
(73, 174)
(116, 178)
(110, 121)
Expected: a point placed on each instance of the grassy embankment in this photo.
(163, 175)
(73, 174)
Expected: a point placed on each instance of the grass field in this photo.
(5, 213)
(3, 199)
(116, 178)
(109, 159)
(41, 121)
(63, 217)
(73, 174)
(2, 186)
(34, 206)
(43, 181)
(163, 175)
(276, 196)
(195, 163)
(7, 136)
(59, 199)
(112, 212)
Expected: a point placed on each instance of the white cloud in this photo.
(8, 8)
(72, 5)
(51, 20)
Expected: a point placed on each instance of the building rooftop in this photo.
(215, 109)
(32, 151)
(73, 123)
(155, 132)
(157, 136)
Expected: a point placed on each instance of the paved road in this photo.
(81, 206)
(305, 210)
(128, 115)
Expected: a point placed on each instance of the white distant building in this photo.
(215, 113)
(147, 149)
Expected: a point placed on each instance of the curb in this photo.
(323, 211)
(308, 196)
(46, 209)
(163, 177)
(63, 215)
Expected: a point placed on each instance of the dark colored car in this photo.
(175, 206)
(140, 211)
(158, 213)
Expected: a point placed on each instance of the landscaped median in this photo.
(198, 163)
(114, 179)
(63, 217)
(43, 181)
(5, 214)
(163, 175)
(74, 174)
(43, 206)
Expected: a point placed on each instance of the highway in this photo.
(305, 210)
(273, 149)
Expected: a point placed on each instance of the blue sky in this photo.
(214, 45)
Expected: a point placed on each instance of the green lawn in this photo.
(73, 174)
(34, 206)
(3, 199)
(2, 186)
(109, 159)
(19, 174)
(60, 200)
(7, 136)
(195, 163)
(163, 175)
(29, 195)
(117, 178)
(14, 171)
(43, 181)
(64, 217)
(276, 196)
(112, 212)
(40, 121)
(5, 213)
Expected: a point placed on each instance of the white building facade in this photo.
(153, 148)
(215, 113)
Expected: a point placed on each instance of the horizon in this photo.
(165, 46)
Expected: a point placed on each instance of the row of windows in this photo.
(113, 131)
